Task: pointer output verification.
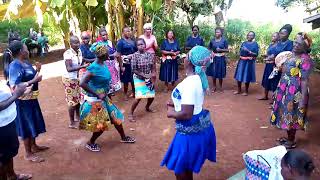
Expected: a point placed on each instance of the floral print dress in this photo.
(289, 105)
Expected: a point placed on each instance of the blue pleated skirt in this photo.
(29, 121)
(218, 68)
(126, 76)
(269, 84)
(169, 70)
(191, 146)
(246, 71)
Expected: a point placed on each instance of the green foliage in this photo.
(52, 31)
(20, 25)
(315, 52)
(236, 31)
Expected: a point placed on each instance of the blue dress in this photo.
(29, 121)
(192, 42)
(270, 84)
(86, 53)
(218, 68)
(169, 67)
(125, 47)
(195, 139)
(246, 68)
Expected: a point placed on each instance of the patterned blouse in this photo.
(142, 62)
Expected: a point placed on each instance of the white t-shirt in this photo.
(9, 114)
(76, 59)
(189, 92)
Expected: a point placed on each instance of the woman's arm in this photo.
(88, 60)
(84, 83)
(186, 112)
(18, 91)
(69, 67)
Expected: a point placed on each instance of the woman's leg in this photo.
(214, 84)
(167, 87)
(149, 102)
(133, 107)
(246, 89)
(72, 110)
(120, 130)
(220, 83)
(30, 156)
(94, 137)
(239, 88)
(78, 112)
(36, 148)
(185, 176)
(125, 90)
(132, 87)
(265, 96)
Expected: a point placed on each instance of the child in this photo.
(296, 165)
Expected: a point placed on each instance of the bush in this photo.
(20, 25)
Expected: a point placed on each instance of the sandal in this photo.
(213, 90)
(35, 159)
(236, 92)
(263, 98)
(244, 94)
(289, 145)
(93, 147)
(128, 139)
(282, 140)
(72, 126)
(23, 176)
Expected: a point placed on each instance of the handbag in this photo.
(257, 169)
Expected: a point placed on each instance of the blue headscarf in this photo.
(200, 56)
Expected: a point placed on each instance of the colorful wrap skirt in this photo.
(194, 142)
(72, 91)
(97, 115)
(143, 88)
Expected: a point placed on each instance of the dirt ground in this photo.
(241, 124)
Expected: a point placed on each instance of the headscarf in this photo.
(200, 56)
(147, 26)
(288, 28)
(100, 50)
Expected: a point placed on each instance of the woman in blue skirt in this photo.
(246, 68)
(195, 139)
(170, 50)
(218, 67)
(194, 40)
(29, 119)
(126, 46)
(270, 84)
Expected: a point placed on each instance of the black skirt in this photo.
(9, 143)
(169, 70)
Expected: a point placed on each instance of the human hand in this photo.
(170, 111)
(85, 65)
(19, 89)
(37, 78)
(38, 66)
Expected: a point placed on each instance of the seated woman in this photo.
(291, 96)
(97, 113)
(195, 139)
(296, 165)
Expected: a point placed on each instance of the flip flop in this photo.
(236, 92)
(263, 99)
(23, 176)
(72, 126)
(289, 145)
(128, 139)
(35, 159)
(244, 94)
(282, 140)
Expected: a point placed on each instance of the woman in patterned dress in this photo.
(111, 62)
(291, 96)
(97, 113)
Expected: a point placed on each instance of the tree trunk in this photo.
(110, 26)
(140, 12)
(119, 17)
(190, 20)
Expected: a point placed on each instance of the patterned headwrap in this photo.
(307, 39)
(101, 50)
(200, 56)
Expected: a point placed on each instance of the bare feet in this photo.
(37, 148)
